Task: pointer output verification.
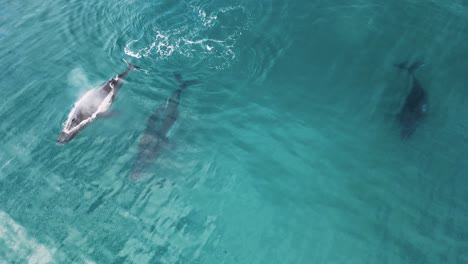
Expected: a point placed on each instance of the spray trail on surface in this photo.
(211, 39)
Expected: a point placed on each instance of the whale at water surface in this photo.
(92, 105)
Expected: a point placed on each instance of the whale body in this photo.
(159, 124)
(92, 105)
(415, 107)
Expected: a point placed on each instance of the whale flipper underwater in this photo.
(155, 134)
(91, 105)
(415, 107)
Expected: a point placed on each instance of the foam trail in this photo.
(129, 52)
(202, 41)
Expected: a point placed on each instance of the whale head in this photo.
(75, 123)
(65, 137)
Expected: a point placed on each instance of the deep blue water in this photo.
(288, 152)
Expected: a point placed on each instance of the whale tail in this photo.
(131, 66)
(186, 83)
(411, 68)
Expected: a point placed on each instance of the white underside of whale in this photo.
(91, 104)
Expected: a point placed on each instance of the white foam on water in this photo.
(131, 53)
(195, 41)
(201, 41)
(148, 51)
(207, 20)
(162, 43)
(165, 49)
(18, 243)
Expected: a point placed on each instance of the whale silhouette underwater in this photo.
(415, 107)
(93, 104)
(154, 137)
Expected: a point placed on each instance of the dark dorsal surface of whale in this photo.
(154, 137)
(415, 107)
(91, 105)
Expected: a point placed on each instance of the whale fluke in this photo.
(186, 83)
(411, 68)
(131, 66)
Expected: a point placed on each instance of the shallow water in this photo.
(289, 152)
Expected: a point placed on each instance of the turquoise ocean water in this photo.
(289, 152)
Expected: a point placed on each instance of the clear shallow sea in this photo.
(289, 152)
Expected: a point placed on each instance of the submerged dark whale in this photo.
(92, 105)
(415, 107)
(159, 124)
